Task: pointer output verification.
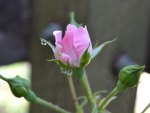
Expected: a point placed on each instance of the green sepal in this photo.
(99, 49)
(66, 69)
(60, 63)
(85, 58)
(72, 19)
(129, 77)
(45, 42)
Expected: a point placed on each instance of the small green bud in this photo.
(129, 77)
(20, 87)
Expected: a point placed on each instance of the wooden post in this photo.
(47, 80)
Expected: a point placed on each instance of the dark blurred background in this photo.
(24, 22)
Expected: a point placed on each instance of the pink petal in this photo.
(67, 44)
(71, 27)
(58, 36)
(58, 39)
(81, 40)
(65, 58)
(90, 48)
(70, 48)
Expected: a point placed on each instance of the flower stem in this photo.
(31, 97)
(105, 101)
(51, 106)
(87, 89)
(74, 95)
(146, 108)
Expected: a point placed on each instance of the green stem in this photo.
(146, 108)
(31, 97)
(104, 102)
(74, 95)
(88, 92)
(51, 106)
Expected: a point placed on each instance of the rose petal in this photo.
(71, 47)
(71, 28)
(65, 58)
(67, 44)
(90, 48)
(58, 36)
(81, 40)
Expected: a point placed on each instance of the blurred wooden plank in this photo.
(128, 20)
(47, 79)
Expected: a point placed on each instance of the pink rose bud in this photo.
(71, 47)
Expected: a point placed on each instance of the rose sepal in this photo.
(85, 58)
(97, 50)
(72, 20)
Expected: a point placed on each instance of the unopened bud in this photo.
(20, 87)
(129, 77)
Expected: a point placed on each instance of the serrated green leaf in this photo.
(85, 58)
(45, 42)
(98, 49)
(72, 19)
